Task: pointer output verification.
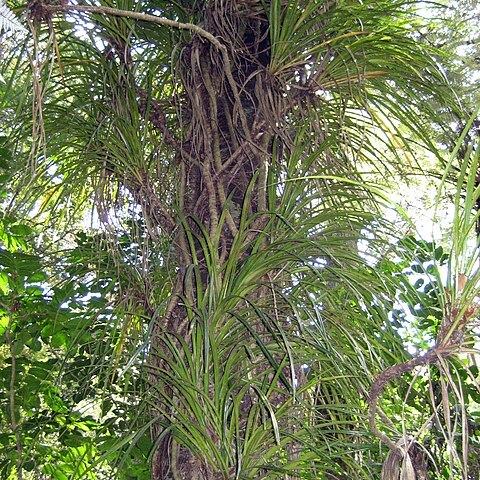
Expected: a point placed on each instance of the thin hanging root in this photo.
(39, 89)
(213, 115)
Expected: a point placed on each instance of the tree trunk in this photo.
(223, 163)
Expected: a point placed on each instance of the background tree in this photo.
(227, 149)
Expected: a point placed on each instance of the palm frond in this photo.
(8, 21)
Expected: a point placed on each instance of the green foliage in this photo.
(55, 409)
(8, 21)
(440, 399)
(237, 332)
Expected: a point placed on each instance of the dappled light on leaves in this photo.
(197, 278)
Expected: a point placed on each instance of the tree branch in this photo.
(144, 17)
(395, 371)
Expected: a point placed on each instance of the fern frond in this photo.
(8, 21)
